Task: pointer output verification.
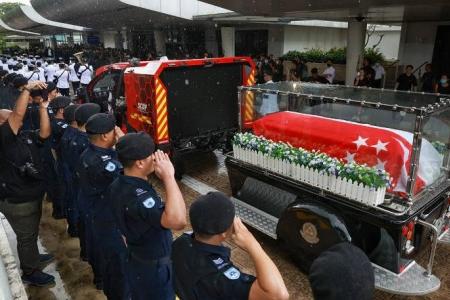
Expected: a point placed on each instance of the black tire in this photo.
(178, 164)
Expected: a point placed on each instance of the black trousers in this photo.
(24, 219)
(65, 92)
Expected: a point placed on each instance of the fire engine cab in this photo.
(185, 105)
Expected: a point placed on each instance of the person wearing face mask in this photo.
(330, 72)
(443, 87)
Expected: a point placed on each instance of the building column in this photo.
(160, 42)
(211, 44)
(125, 38)
(356, 35)
(228, 41)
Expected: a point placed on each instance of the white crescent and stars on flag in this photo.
(362, 141)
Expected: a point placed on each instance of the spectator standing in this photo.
(50, 70)
(443, 87)
(361, 79)
(85, 73)
(62, 80)
(407, 81)
(316, 78)
(22, 182)
(74, 79)
(41, 70)
(428, 80)
(379, 75)
(330, 72)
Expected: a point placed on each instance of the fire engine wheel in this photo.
(306, 230)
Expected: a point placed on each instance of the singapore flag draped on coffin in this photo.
(379, 147)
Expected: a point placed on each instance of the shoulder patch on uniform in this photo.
(140, 191)
(110, 167)
(149, 203)
(232, 273)
(218, 261)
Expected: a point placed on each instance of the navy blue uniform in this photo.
(69, 200)
(97, 169)
(138, 210)
(204, 271)
(58, 127)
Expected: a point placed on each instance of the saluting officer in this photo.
(202, 265)
(97, 168)
(144, 219)
(58, 126)
(77, 145)
(64, 156)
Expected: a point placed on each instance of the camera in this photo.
(40, 93)
(29, 170)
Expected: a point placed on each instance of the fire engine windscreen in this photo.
(202, 101)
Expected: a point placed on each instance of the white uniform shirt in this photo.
(73, 74)
(41, 73)
(32, 76)
(269, 103)
(379, 71)
(63, 80)
(50, 71)
(329, 74)
(85, 74)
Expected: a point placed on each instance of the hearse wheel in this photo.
(178, 164)
(308, 229)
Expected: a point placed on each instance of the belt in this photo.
(150, 262)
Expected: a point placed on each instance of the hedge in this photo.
(336, 55)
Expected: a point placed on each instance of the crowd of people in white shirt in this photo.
(63, 73)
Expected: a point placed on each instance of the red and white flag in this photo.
(379, 147)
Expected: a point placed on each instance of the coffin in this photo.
(380, 147)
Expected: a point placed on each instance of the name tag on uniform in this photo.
(149, 203)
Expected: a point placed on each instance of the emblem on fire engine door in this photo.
(309, 233)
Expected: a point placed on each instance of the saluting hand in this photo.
(242, 236)
(163, 166)
(118, 132)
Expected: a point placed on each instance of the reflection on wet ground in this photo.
(209, 169)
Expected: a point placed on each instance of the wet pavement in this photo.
(207, 172)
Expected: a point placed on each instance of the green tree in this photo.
(4, 9)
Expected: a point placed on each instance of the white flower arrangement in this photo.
(351, 180)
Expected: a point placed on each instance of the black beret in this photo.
(69, 113)
(212, 213)
(135, 146)
(100, 123)
(51, 86)
(19, 81)
(85, 111)
(60, 102)
(3, 73)
(342, 272)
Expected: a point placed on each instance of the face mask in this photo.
(443, 81)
